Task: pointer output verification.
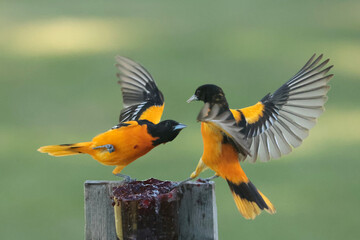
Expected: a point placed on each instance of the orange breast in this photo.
(130, 142)
(221, 158)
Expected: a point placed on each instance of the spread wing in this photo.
(142, 99)
(282, 120)
(225, 122)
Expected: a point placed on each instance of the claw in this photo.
(210, 178)
(109, 147)
(182, 182)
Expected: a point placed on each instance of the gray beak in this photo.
(192, 98)
(179, 126)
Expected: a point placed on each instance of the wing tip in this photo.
(119, 59)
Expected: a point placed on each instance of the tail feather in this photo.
(249, 200)
(271, 209)
(65, 149)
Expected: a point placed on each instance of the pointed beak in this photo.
(192, 98)
(179, 126)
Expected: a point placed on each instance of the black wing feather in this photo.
(289, 112)
(138, 88)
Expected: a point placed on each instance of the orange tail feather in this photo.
(249, 200)
(66, 149)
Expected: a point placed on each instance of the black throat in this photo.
(157, 132)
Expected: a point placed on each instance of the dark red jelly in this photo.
(149, 209)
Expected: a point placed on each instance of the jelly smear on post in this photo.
(148, 190)
(149, 209)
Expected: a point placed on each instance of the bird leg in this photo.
(200, 168)
(108, 147)
(191, 178)
(184, 181)
(127, 178)
(210, 178)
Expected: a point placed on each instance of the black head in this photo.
(209, 93)
(166, 131)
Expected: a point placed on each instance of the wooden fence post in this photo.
(197, 214)
(99, 213)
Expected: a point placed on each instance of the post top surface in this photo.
(105, 182)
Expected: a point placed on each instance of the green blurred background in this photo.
(58, 85)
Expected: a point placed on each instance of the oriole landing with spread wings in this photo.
(139, 130)
(264, 131)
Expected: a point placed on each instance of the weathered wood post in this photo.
(190, 210)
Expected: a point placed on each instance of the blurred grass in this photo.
(58, 85)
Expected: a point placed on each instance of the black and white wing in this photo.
(282, 120)
(142, 99)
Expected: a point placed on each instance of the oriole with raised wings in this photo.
(264, 131)
(139, 129)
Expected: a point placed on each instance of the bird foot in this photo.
(182, 182)
(209, 178)
(126, 178)
(109, 147)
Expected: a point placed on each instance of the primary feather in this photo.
(282, 120)
(139, 92)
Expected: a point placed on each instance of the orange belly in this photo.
(130, 143)
(221, 158)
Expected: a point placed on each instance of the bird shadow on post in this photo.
(150, 209)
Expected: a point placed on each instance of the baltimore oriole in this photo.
(263, 131)
(139, 130)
